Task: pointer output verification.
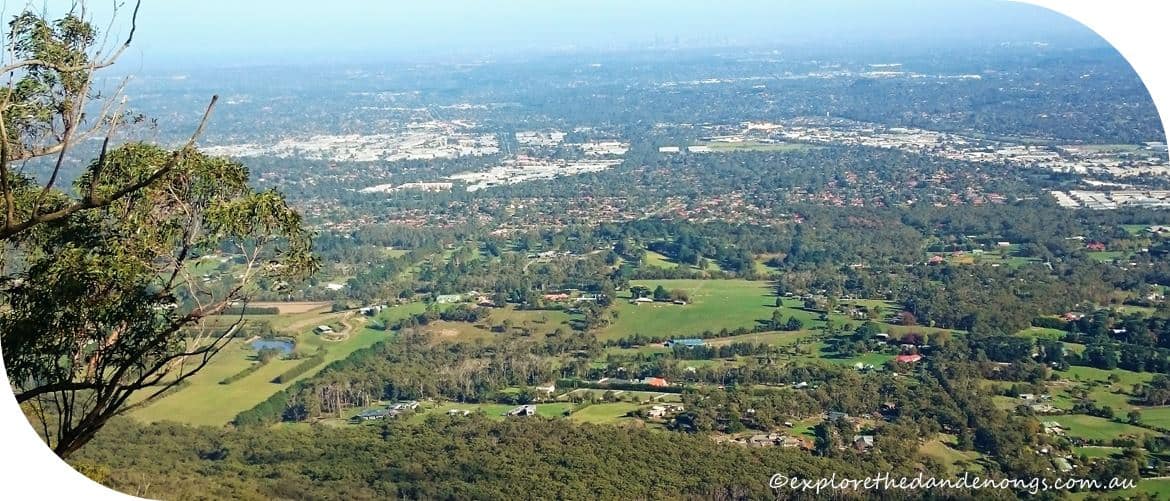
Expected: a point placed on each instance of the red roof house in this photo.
(655, 381)
(908, 359)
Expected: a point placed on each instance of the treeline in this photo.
(443, 458)
(250, 310)
(412, 368)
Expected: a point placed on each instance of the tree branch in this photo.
(11, 229)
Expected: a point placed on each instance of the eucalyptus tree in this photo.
(102, 304)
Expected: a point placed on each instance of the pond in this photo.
(285, 345)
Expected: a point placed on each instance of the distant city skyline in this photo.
(226, 32)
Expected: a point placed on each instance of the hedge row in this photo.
(245, 373)
(301, 368)
(251, 310)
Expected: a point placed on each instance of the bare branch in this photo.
(109, 61)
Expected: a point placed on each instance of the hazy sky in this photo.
(235, 31)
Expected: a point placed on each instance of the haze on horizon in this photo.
(179, 33)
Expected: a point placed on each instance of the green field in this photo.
(533, 322)
(206, 402)
(659, 260)
(1100, 389)
(715, 304)
(1095, 428)
(1094, 452)
(1156, 416)
(1042, 332)
(609, 413)
(955, 460)
(1106, 256)
(1125, 378)
(1157, 488)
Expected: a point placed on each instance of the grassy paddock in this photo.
(206, 402)
(715, 304)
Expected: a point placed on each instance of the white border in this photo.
(1136, 28)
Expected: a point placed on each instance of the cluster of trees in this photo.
(659, 293)
(442, 458)
(412, 368)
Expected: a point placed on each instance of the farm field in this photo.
(1158, 488)
(1156, 416)
(1106, 256)
(1095, 428)
(540, 322)
(206, 402)
(715, 304)
(1125, 378)
(1042, 332)
(1094, 452)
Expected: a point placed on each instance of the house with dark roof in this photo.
(372, 414)
(863, 442)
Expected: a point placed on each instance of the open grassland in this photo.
(1095, 428)
(955, 460)
(1100, 389)
(715, 304)
(1124, 377)
(1042, 332)
(732, 304)
(658, 260)
(1094, 452)
(206, 402)
(530, 322)
(1156, 488)
(1106, 256)
(1156, 416)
